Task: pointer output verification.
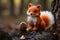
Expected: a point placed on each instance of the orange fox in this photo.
(37, 19)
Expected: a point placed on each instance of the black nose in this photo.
(31, 14)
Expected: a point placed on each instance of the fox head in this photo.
(32, 13)
(33, 10)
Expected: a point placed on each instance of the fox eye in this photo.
(35, 11)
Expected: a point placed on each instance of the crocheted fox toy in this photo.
(38, 19)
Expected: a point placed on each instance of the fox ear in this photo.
(39, 6)
(29, 5)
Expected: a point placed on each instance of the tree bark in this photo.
(0, 8)
(21, 7)
(12, 7)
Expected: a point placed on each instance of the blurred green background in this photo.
(12, 12)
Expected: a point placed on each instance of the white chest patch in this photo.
(32, 20)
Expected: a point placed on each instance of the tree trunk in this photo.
(58, 16)
(0, 8)
(12, 7)
(21, 7)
